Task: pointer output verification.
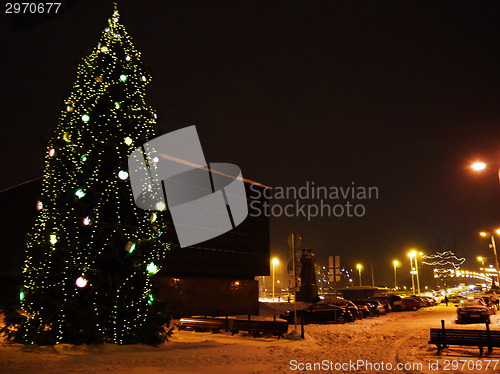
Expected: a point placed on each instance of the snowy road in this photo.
(396, 343)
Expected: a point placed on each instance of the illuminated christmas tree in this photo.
(91, 253)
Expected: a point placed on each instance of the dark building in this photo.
(216, 277)
(363, 292)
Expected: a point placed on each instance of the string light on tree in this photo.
(53, 239)
(88, 218)
(161, 205)
(81, 281)
(123, 175)
(130, 247)
(152, 268)
(80, 193)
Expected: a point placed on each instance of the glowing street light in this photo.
(478, 166)
(359, 267)
(418, 274)
(275, 262)
(414, 271)
(494, 247)
(481, 260)
(395, 263)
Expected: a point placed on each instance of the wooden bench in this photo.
(200, 324)
(442, 338)
(259, 327)
(217, 324)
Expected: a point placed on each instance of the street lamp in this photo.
(478, 166)
(274, 262)
(359, 267)
(414, 271)
(494, 247)
(418, 274)
(481, 260)
(395, 263)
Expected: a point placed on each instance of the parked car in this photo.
(431, 301)
(374, 306)
(395, 301)
(380, 308)
(427, 301)
(343, 303)
(385, 303)
(454, 299)
(364, 307)
(489, 302)
(473, 310)
(320, 313)
(411, 303)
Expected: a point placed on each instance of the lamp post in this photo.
(480, 166)
(274, 262)
(395, 263)
(494, 247)
(414, 271)
(359, 267)
(418, 274)
(481, 260)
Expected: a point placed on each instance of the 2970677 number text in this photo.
(31, 8)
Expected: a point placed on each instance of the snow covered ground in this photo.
(350, 348)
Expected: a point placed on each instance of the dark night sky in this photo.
(400, 95)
